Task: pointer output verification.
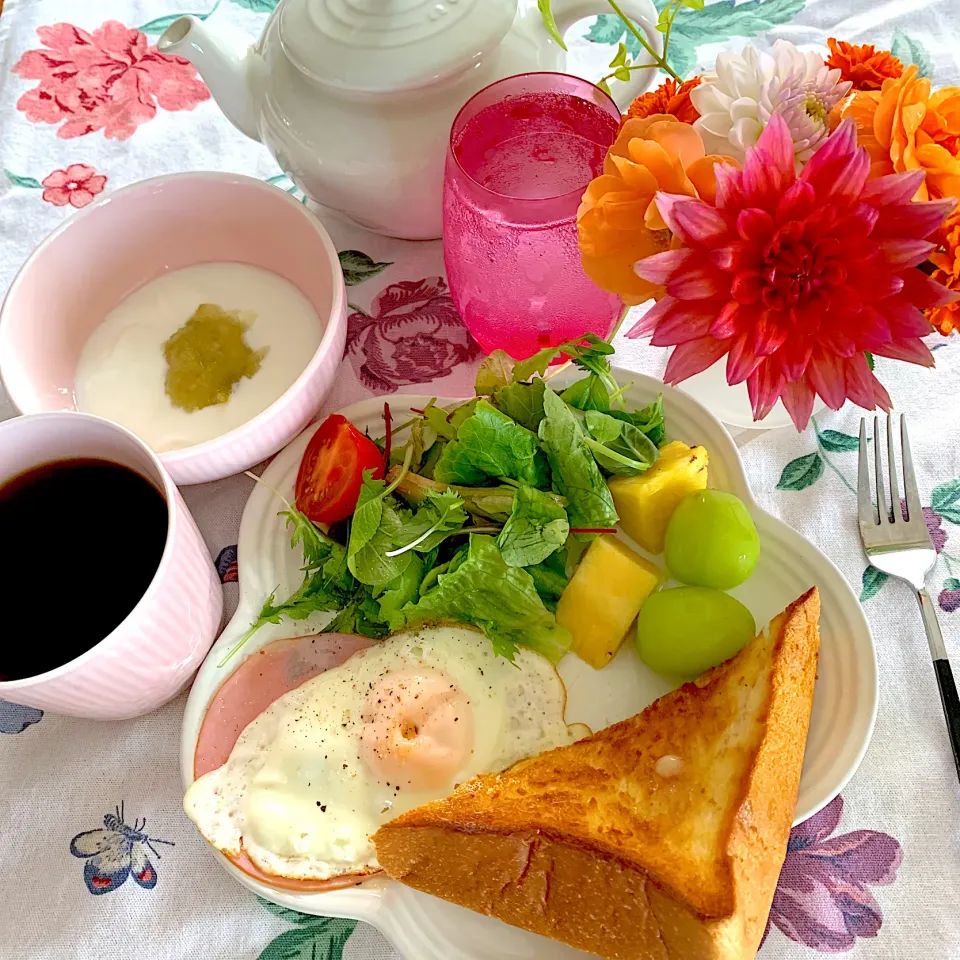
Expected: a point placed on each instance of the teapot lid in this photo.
(386, 45)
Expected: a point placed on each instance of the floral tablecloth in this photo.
(87, 104)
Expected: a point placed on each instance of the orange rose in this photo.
(865, 67)
(618, 222)
(667, 99)
(905, 127)
(947, 318)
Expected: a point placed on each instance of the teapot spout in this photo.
(233, 74)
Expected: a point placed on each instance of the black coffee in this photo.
(81, 540)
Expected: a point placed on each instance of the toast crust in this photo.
(591, 845)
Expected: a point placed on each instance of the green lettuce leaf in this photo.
(576, 475)
(522, 402)
(480, 589)
(537, 527)
(489, 444)
(550, 577)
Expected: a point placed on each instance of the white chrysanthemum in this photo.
(736, 102)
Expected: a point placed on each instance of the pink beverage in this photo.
(521, 154)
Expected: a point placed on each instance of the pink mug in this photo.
(152, 655)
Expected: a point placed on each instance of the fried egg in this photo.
(400, 723)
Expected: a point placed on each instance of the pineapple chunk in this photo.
(646, 502)
(604, 597)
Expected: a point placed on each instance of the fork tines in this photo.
(882, 511)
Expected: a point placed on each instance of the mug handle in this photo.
(643, 14)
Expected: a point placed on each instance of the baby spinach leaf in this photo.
(575, 473)
(648, 419)
(590, 393)
(618, 446)
(537, 527)
(479, 588)
(490, 444)
(522, 402)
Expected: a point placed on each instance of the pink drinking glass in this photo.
(521, 154)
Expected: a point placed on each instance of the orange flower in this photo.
(947, 261)
(865, 67)
(905, 127)
(667, 99)
(618, 222)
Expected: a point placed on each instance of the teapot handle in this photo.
(643, 13)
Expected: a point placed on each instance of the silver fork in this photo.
(901, 547)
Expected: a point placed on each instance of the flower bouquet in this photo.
(790, 213)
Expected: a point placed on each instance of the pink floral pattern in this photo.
(413, 335)
(107, 80)
(822, 898)
(76, 186)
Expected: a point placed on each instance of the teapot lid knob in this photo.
(385, 45)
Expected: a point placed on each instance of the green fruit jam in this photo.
(207, 357)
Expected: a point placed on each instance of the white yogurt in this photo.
(122, 369)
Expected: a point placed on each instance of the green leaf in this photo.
(357, 266)
(27, 182)
(522, 402)
(682, 55)
(837, 442)
(495, 372)
(442, 513)
(589, 393)
(621, 57)
(479, 588)
(490, 444)
(156, 27)
(944, 499)
(618, 446)
(258, 6)
(537, 527)
(376, 529)
(873, 580)
(649, 420)
(322, 940)
(870, 360)
(692, 4)
(909, 50)
(575, 473)
(291, 916)
(549, 22)
(951, 583)
(398, 593)
(550, 577)
(801, 473)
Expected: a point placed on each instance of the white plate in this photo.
(844, 709)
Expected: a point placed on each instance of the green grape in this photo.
(711, 540)
(686, 630)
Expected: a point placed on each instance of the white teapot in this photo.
(355, 98)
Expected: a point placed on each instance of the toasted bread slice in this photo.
(608, 847)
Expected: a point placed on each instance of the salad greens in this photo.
(485, 509)
(488, 445)
(480, 589)
(576, 474)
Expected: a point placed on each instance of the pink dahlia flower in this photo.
(794, 277)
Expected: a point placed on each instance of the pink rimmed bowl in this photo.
(131, 236)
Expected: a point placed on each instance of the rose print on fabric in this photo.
(76, 186)
(823, 898)
(107, 80)
(413, 335)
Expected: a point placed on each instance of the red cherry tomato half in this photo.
(331, 471)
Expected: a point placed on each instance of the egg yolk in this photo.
(417, 729)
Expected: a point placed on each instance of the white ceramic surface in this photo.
(130, 236)
(355, 99)
(425, 928)
(151, 656)
(731, 404)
